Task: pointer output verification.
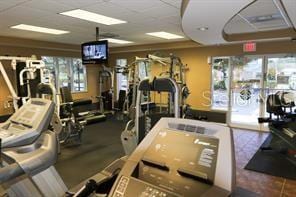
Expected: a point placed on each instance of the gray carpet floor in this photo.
(100, 146)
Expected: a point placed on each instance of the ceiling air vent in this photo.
(268, 22)
(109, 35)
(265, 18)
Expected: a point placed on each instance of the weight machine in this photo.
(64, 123)
(176, 70)
(106, 102)
(139, 70)
(33, 81)
(29, 72)
(148, 111)
(172, 67)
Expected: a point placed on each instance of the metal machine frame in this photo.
(105, 72)
(131, 137)
(29, 151)
(32, 65)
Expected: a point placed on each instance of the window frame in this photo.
(70, 62)
(212, 82)
(121, 62)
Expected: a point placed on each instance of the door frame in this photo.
(259, 127)
(265, 57)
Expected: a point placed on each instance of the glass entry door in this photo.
(246, 91)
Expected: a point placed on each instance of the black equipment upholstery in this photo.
(107, 100)
(158, 85)
(274, 106)
(43, 88)
(121, 99)
(67, 98)
(286, 103)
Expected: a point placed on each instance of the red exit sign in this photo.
(250, 47)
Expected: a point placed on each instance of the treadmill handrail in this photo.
(10, 172)
(33, 162)
(21, 123)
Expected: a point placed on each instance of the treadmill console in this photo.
(25, 125)
(176, 163)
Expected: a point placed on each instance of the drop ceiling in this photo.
(143, 16)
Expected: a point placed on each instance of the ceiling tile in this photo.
(78, 3)
(5, 4)
(23, 14)
(173, 3)
(137, 5)
(47, 5)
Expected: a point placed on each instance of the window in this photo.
(67, 72)
(79, 76)
(220, 82)
(121, 78)
(144, 70)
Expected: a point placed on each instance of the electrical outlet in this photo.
(5, 105)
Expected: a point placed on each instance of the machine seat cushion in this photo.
(80, 102)
(147, 105)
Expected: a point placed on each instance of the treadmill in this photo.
(178, 157)
(28, 152)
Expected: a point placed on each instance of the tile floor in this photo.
(246, 145)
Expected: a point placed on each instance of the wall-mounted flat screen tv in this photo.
(95, 52)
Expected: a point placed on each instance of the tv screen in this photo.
(95, 52)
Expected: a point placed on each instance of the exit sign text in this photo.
(250, 47)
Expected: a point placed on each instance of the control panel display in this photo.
(129, 186)
(29, 114)
(27, 123)
(192, 128)
(182, 162)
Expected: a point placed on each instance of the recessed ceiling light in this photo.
(117, 41)
(202, 28)
(165, 35)
(93, 17)
(39, 29)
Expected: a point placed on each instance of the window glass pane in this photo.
(64, 72)
(121, 78)
(51, 67)
(220, 83)
(280, 76)
(246, 90)
(281, 73)
(79, 76)
(67, 72)
(144, 70)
